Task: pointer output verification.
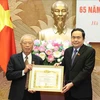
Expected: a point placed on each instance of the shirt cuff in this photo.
(23, 73)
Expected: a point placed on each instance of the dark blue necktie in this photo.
(73, 56)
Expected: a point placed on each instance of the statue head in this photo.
(59, 12)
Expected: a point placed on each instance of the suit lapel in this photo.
(20, 59)
(70, 56)
(34, 59)
(81, 51)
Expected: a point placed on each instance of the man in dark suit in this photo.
(17, 71)
(78, 75)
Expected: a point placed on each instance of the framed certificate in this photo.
(46, 78)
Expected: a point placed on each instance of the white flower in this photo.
(57, 54)
(59, 60)
(65, 45)
(43, 42)
(42, 55)
(49, 46)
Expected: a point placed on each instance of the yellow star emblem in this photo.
(4, 18)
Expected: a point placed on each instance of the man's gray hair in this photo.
(32, 37)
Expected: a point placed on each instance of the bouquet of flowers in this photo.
(51, 51)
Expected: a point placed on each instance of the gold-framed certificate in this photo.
(46, 78)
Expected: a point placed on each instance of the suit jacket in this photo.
(80, 72)
(14, 73)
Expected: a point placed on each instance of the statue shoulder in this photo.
(43, 34)
(69, 29)
(44, 31)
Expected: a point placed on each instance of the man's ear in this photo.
(52, 14)
(67, 15)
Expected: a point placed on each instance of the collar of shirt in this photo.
(74, 50)
(77, 49)
(55, 29)
(29, 57)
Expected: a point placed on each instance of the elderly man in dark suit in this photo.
(17, 71)
(78, 62)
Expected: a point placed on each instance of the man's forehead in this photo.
(27, 39)
(77, 33)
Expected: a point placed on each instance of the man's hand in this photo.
(67, 87)
(31, 91)
(57, 64)
(28, 67)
